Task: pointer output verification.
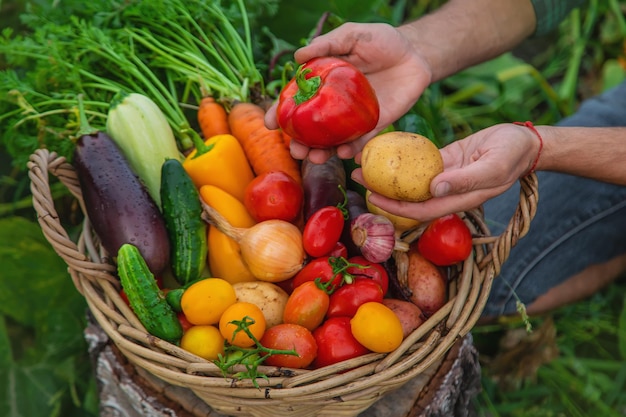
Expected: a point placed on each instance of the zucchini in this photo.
(142, 132)
(182, 212)
(145, 297)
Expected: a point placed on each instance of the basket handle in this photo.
(518, 225)
(40, 164)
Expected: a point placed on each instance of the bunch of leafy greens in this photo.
(173, 51)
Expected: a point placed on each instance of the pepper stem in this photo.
(307, 87)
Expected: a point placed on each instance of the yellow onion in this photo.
(272, 249)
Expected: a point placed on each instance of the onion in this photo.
(272, 249)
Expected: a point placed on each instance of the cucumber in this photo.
(182, 212)
(145, 297)
(142, 132)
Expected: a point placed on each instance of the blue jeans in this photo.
(579, 222)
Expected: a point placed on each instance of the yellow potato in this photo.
(400, 223)
(269, 297)
(401, 165)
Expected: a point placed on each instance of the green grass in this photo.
(573, 363)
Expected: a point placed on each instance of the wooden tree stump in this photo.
(446, 389)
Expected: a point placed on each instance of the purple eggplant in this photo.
(324, 184)
(356, 205)
(118, 205)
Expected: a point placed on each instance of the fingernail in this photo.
(442, 189)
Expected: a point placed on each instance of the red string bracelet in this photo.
(532, 127)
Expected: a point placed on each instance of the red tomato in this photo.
(322, 231)
(335, 342)
(446, 241)
(339, 251)
(286, 285)
(124, 297)
(372, 270)
(288, 336)
(307, 305)
(183, 321)
(274, 195)
(325, 268)
(349, 297)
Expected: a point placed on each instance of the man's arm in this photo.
(592, 152)
(463, 33)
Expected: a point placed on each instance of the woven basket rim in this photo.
(351, 385)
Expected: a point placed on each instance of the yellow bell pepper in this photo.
(220, 162)
(224, 258)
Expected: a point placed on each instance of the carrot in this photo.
(212, 118)
(286, 138)
(264, 148)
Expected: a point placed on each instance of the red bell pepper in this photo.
(327, 103)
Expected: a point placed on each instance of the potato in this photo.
(400, 223)
(269, 297)
(428, 285)
(401, 165)
(409, 314)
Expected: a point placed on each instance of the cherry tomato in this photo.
(339, 251)
(322, 231)
(446, 241)
(377, 327)
(204, 341)
(335, 342)
(288, 336)
(242, 311)
(307, 305)
(286, 285)
(326, 268)
(124, 297)
(205, 300)
(371, 270)
(274, 195)
(348, 298)
(185, 324)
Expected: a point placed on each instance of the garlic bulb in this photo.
(374, 234)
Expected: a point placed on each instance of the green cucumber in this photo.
(182, 211)
(145, 297)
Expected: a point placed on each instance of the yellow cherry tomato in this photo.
(377, 327)
(204, 341)
(204, 301)
(237, 312)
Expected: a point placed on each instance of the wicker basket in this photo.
(344, 389)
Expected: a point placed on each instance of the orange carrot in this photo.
(212, 118)
(286, 138)
(264, 148)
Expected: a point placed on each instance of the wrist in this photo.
(536, 154)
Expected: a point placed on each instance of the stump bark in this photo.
(446, 389)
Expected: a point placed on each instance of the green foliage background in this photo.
(43, 361)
